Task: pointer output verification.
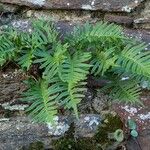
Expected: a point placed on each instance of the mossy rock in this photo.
(109, 125)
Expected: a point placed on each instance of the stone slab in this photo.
(21, 131)
(103, 5)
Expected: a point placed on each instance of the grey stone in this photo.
(18, 132)
(8, 8)
(104, 5)
(100, 102)
(122, 20)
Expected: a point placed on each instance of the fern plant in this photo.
(101, 50)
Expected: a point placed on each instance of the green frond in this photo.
(51, 61)
(126, 91)
(135, 61)
(7, 49)
(99, 32)
(102, 61)
(45, 30)
(75, 68)
(42, 97)
(43, 33)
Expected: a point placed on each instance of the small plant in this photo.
(133, 128)
(117, 135)
(100, 50)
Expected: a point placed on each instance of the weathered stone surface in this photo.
(140, 114)
(141, 35)
(122, 20)
(66, 27)
(11, 85)
(18, 132)
(140, 143)
(142, 23)
(143, 19)
(8, 8)
(58, 15)
(105, 5)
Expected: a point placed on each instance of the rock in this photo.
(100, 102)
(8, 8)
(59, 15)
(11, 85)
(142, 23)
(66, 27)
(141, 35)
(85, 106)
(18, 132)
(103, 5)
(143, 19)
(142, 142)
(86, 125)
(122, 20)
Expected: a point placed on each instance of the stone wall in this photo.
(132, 15)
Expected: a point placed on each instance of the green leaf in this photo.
(42, 97)
(134, 133)
(132, 124)
(118, 135)
(135, 61)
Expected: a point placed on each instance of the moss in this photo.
(36, 146)
(99, 142)
(69, 142)
(109, 125)
(77, 144)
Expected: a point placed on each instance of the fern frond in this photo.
(102, 61)
(7, 49)
(98, 32)
(135, 61)
(45, 30)
(126, 91)
(73, 72)
(42, 97)
(75, 68)
(43, 34)
(51, 61)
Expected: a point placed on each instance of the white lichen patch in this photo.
(20, 24)
(87, 7)
(20, 107)
(131, 110)
(136, 2)
(92, 121)
(4, 119)
(126, 9)
(37, 2)
(59, 128)
(144, 116)
(93, 2)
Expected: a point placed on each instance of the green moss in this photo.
(99, 142)
(109, 125)
(36, 146)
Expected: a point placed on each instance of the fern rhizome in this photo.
(101, 50)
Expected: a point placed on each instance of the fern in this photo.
(126, 91)
(42, 35)
(99, 32)
(43, 107)
(51, 62)
(135, 61)
(102, 61)
(74, 70)
(7, 48)
(99, 49)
